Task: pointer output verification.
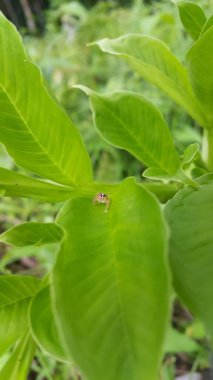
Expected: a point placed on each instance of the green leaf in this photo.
(190, 218)
(125, 119)
(13, 184)
(153, 60)
(163, 191)
(207, 25)
(17, 366)
(32, 233)
(190, 154)
(177, 342)
(43, 325)
(18, 185)
(35, 130)
(110, 285)
(157, 173)
(193, 18)
(16, 293)
(200, 66)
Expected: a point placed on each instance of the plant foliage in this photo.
(104, 303)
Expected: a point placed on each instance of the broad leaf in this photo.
(16, 293)
(200, 62)
(36, 131)
(129, 121)
(32, 233)
(190, 218)
(17, 366)
(192, 16)
(153, 60)
(110, 285)
(43, 325)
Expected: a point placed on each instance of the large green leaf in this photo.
(129, 121)
(190, 218)
(200, 62)
(34, 128)
(15, 295)
(17, 366)
(32, 233)
(43, 325)
(192, 17)
(153, 60)
(110, 285)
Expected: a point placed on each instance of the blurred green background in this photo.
(56, 35)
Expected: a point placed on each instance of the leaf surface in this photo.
(35, 130)
(129, 121)
(153, 60)
(14, 184)
(110, 285)
(190, 218)
(207, 25)
(32, 233)
(200, 66)
(43, 325)
(193, 18)
(15, 295)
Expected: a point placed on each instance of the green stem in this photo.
(207, 148)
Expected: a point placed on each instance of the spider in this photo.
(102, 198)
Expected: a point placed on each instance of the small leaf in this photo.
(200, 65)
(129, 121)
(110, 285)
(43, 325)
(192, 16)
(177, 342)
(190, 154)
(17, 366)
(32, 233)
(15, 296)
(34, 128)
(153, 60)
(190, 218)
(156, 173)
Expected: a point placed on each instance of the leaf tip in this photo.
(83, 88)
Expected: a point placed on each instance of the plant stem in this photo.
(207, 148)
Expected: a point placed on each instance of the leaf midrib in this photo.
(128, 345)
